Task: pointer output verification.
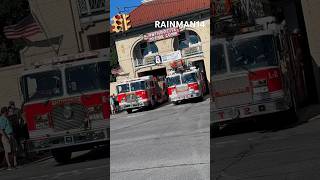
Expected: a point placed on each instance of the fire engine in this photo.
(142, 92)
(253, 72)
(185, 82)
(66, 104)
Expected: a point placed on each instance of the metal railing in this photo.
(147, 60)
(89, 7)
(191, 51)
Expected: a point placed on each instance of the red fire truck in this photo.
(253, 73)
(66, 104)
(185, 82)
(142, 92)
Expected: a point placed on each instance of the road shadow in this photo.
(94, 154)
(262, 124)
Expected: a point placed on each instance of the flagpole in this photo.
(44, 32)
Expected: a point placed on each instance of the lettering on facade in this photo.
(161, 34)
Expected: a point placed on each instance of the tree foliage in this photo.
(11, 12)
(113, 60)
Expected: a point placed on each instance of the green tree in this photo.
(11, 12)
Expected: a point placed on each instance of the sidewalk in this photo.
(33, 158)
(309, 113)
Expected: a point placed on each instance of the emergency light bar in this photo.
(74, 57)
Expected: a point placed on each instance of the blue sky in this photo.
(121, 4)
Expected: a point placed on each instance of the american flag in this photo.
(116, 71)
(23, 29)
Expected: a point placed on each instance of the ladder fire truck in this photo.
(142, 92)
(66, 104)
(253, 72)
(185, 82)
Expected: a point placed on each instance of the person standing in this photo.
(116, 104)
(8, 141)
(14, 116)
(112, 105)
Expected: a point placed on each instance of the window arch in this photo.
(144, 48)
(186, 39)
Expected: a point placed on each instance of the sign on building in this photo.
(161, 34)
(176, 55)
(158, 59)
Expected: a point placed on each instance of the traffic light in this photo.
(126, 22)
(117, 25)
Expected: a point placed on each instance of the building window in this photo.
(91, 7)
(144, 49)
(186, 39)
(147, 48)
(99, 41)
(144, 53)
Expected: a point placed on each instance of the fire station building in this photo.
(147, 49)
(69, 27)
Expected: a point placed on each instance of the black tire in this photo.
(214, 130)
(129, 111)
(61, 156)
(290, 116)
(175, 102)
(200, 99)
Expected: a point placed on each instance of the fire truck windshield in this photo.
(173, 80)
(123, 88)
(189, 78)
(252, 53)
(87, 77)
(218, 58)
(138, 85)
(43, 85)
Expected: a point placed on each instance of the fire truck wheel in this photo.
(200, 98)
(61, 156)
(175, 102)
(129, 111)
(214, 130)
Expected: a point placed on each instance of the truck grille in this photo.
(182, 88)
(232, 91)
(71, 116)
(131, 98)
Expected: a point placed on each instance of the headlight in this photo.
(42, 121)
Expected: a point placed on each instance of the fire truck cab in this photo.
(185, 82)
(250, 74)
(142, 92)
(66, 104)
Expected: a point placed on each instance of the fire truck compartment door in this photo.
(232, 91)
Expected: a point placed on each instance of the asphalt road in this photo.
(169, 142)
(86, 165)
(267, 150)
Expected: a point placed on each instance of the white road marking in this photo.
(226, 142)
